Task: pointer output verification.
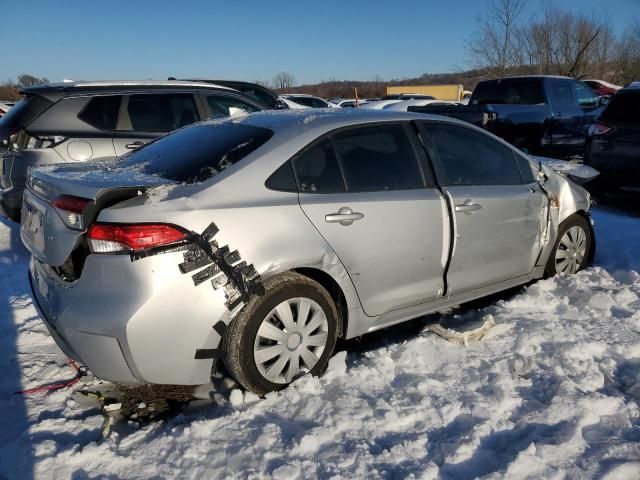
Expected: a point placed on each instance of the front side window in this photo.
(468, 157)
(102, 112)
(317, 169)
(584, 95)
(377, 158)
(221, 106)
(161, 112)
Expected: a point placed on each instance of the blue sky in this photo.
(249, 40)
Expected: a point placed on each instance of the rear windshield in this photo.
(23, 112)
(198, 152)
(512, 91)
(623, 110)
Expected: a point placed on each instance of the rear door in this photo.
(145, 116)
(566, 133)
(497, 206)
(364, 190)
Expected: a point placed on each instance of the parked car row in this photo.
(81, 121)
(542, 115)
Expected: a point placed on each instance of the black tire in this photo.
(237, 345)
(574, 220)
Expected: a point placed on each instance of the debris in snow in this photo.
(236, 397)
(462, 338)
(112, 407)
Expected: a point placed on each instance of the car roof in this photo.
(631, 86)
(77, 88)
(319, 120)
(527, 76)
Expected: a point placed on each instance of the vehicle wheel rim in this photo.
(571, 250)
(290, 340)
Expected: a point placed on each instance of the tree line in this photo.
(9, 89)
(553, 41)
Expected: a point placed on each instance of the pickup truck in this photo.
(542, 115)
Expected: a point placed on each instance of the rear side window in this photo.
(161, 112)
(510, 91)
(623, 110)
(377, 158)
(197, 153)
(24, 112)
(102, 112)
(261, 96)
(317, 169)
(310, 102)
(221, 106)
(561, 94)
(468, 157)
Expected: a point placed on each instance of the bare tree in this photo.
(283, 81)
(493, 46)
(26, 80)
(627, 55)
(563, 42)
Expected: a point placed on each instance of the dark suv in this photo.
(80, 121)
(613, 144)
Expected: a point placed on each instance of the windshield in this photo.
(511, 91)
(197, 152)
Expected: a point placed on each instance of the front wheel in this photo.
(572, 250)
(289, 331)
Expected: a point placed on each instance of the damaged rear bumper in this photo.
(131, 322)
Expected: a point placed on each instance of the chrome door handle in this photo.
(134, 145)
(468, 207)
(345, 216)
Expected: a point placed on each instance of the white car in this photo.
(302, 100)
(349, 102)
(418, 102)
(380, 104)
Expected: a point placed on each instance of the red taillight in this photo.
(112, 238)
(599, 128)
(71, 203)
(71, 210)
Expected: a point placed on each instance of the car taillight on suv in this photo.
(71, 210)
(599, 128)
(126, 238)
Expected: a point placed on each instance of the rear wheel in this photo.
(572, 250)
(289, 331)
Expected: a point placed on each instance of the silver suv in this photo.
(80, 121)
(260, 240)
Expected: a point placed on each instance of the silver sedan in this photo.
(260, 240)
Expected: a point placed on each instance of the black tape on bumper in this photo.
(223, 266)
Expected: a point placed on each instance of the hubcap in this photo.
(290, 339)
(571, 250)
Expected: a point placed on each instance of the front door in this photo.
(496, 204)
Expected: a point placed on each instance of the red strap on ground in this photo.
(80, 372)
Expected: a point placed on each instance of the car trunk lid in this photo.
(62, 201)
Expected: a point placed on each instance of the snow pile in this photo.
(554, 394)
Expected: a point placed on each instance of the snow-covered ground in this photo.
(552, 393)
